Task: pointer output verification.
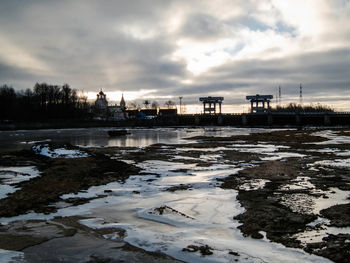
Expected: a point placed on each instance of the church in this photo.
(102, 111)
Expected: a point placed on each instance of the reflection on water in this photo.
(23, 139)
(145, 137)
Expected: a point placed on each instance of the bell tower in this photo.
(122, 103)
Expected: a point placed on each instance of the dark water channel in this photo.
(95, 137)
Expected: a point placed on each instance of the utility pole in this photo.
(180, 104)
(279, 95)
(301, 95)
(276, 100)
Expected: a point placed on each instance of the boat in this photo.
(114, 133)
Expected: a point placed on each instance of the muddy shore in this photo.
(274, 209)
(265, 210)
(65, 239)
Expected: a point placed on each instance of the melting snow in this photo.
(300, 183)
(202, 215)
(254, 184)
(257, 148)
(332, 136)
(337, 163)
(33, 142)
(343, 153)
(10, 176)
(281, 155)
(45, 150)
(7, 256)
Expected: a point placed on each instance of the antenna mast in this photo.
(301, 95)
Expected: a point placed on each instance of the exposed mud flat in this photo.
(63, 239)
(58, 176)
(263, 197)
(286, 206)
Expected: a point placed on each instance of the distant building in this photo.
(149, 113)
(122, 103)
(132, 114)
(118, 113)
(104, 112)
(100, 109)
(101, 101)
(115, 113)
(167, 112)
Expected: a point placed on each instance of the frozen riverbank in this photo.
(176, 203)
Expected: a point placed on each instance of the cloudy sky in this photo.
(163, 49)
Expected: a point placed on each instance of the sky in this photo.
(162, 49)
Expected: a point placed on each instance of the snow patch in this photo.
(254, 184)
(33, 142)
(332, 136)
(336, 163)
(9, 176)
(45, 150)
(281, 155)
(8, 256)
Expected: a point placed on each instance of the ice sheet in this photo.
(9, 176)
(33, 142)
(332, 136)
(257, 148)
(281, 155)
(300, 202)
(336, 163)
(7, 256)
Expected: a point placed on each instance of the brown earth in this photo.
(338, 214)
(64, 238)
(59, 176)
(264, 210)
(282, 136)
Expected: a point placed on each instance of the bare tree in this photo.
(45, 101)
(66, 93)
(7, 101)
(154, 105)
(146, 103)
(132, 105)
(169, 104)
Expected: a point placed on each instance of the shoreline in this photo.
(271, 120)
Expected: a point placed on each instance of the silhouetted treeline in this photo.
(43, 102)
(293, 107)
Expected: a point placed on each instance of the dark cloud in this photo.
(319, 72)
(8, 73)
(204, 27)
(130, 46)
